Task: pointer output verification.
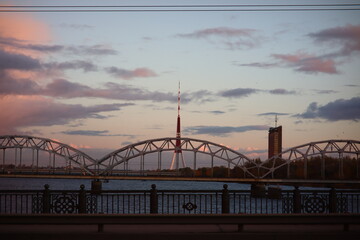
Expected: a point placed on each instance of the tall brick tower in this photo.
(275, 140)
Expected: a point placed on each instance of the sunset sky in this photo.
(99, 81)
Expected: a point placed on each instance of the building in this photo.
(275, 141)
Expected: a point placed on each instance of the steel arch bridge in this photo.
(73, 157)
(123, 155)
(119, 159)
(338, 148)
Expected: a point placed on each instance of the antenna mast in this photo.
(178, 151)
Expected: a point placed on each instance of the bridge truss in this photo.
(123, 155)
(305, 153)
(61, 157)
(34, 155)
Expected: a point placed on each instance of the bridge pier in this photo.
(258, 190)
(96, 186)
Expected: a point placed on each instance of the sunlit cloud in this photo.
(17, 86)
(303, 62)
(21, 28)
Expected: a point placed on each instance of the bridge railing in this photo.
(270, 201)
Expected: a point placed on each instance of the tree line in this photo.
(316, 168)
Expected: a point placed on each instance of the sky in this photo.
(99, 81)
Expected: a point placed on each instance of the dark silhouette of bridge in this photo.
(34, 155)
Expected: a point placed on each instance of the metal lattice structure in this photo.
(337, 148)
(123, 155)
(72, 156)
(12, 148)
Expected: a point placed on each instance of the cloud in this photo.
(86, 66)
(14, 86)
(66, 89)
(238, 92)
(201, 96)
(258, 64)
(347, 37)
(217, 112)
(281, 91)
(25, 111)
(76, 26)
(220, 31)
(272, 114)
(344, 39)
(17, 61)
(253, 152)
(97, 49)
(232, 38)
(326, 91)
(63, 88)
(24, 27)
(222, 131)
(130, 74)
(303, 62)
(23, 44)
(341, 109)
(300, 62)
(104, 133)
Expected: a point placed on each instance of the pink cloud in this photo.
(303, 62)
(347, 37)
(24, 27)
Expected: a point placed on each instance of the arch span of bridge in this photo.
(123, 155)
(72, 156)
(339, 148)
(120, 158)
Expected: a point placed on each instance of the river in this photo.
(74, 184)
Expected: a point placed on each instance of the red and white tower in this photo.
(178, 152)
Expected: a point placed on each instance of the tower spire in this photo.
(178, 151)
(179, 100)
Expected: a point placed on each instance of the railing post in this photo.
(153, 199)
(297, 200)
(225, 204)
(46, 199)
(82, 199)
(332, 201)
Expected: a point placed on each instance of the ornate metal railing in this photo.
(260, 201)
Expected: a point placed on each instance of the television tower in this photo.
(178, 152)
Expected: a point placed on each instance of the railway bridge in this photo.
(35, 155)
